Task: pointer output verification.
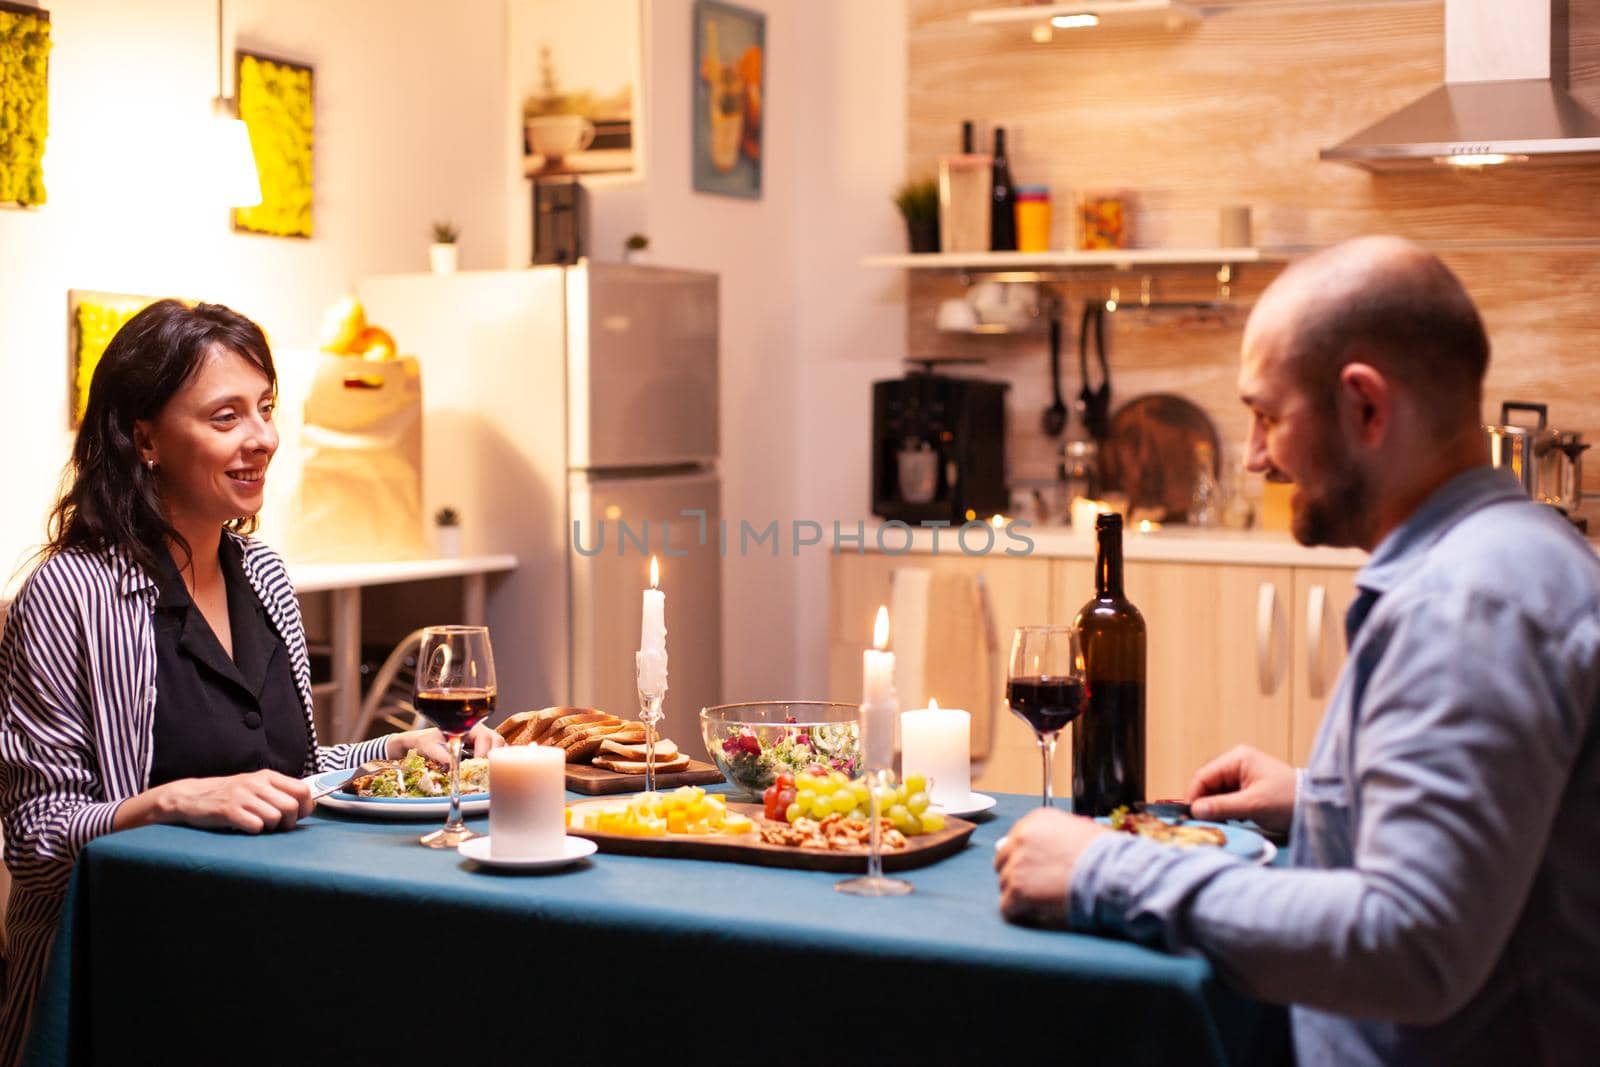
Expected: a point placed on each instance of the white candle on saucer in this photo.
(527, 801)
(937, 742)
(878, 701)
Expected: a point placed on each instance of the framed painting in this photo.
(93, 319)
(24, 103)
(729, 98)
(576, 66)
(278, 105)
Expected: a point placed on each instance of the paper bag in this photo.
(360, 491)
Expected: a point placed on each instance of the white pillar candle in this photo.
(653, 633)
(878, 702)
(527, 801)
(937, 742)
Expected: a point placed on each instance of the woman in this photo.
(153, 667)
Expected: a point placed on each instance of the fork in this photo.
(372, 766)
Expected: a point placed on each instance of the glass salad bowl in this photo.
(754, 742)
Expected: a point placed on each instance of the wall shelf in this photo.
(1106, 259)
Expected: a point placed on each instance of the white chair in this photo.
(388, 698)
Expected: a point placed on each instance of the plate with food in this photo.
(411, 788)
(688, 823)
(1240, 841)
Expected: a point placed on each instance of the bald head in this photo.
(1386, 302)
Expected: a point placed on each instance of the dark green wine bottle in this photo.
(1108, 751)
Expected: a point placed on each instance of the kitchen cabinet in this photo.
(1238, 653)
(1322, 595)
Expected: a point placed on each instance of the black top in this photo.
(214, 715)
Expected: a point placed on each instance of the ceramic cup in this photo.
(554, 136)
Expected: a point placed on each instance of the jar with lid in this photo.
(1033, 218)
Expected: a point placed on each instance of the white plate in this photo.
(573, 849)
(392, 807)
(976, 802)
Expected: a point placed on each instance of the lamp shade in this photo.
(233, 162)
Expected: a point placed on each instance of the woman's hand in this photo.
(251, 803)
(431, 744)
(1244, 783)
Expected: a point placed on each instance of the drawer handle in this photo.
(1316, 614)
(1268, 628)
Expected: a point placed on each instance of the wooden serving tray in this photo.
(599, 782)
(920, 850)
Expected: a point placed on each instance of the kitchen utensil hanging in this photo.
(1152, 457)
(1094, 402)
(1054, 419)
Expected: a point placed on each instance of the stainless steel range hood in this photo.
(1503, 100)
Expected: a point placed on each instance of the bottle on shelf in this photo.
(1205, 502)
(1003, 199)
(966, 138)
(1108, 739)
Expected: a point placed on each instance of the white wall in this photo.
(408, 130)
(805, 328)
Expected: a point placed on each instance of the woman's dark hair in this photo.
(110, 499)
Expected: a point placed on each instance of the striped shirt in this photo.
(77, 709)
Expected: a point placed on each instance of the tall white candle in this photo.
(653, 632)
(879, 705)
(527, 801)
(938, 742)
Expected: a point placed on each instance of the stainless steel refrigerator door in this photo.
(617, 525)
(641, 366)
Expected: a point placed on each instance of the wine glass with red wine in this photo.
(1045, 687)
(456, 690)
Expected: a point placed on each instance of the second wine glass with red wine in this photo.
(456, 691)
(1045, 688)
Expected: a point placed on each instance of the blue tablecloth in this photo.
(346, 937)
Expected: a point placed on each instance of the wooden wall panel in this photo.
(1232, 111)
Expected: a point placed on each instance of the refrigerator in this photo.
(571, 417)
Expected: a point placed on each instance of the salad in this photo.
(418, 776)
(754, 757)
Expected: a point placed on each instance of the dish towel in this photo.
(945, 647)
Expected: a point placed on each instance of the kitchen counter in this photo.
(1170, 544)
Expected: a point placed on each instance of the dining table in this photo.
(344, 940)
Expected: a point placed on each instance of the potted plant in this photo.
(918, 202)
(442, 253)
(636, 249)
(447, 533)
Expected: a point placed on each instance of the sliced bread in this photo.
(623, 766)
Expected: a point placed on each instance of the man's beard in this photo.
(1342, 507)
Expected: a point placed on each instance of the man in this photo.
(1444, 901)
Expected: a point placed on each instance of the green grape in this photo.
(821, 806)
(838, 778)
(857, 815)
(917, 803)
(932, 822)
(896, 814)
(916, 783)
(910, 825)
(793, 811)
(844, 801)
(887, 798)
(862, 794)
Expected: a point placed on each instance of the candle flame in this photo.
(933, 705)
(655, 573)
(880, 629)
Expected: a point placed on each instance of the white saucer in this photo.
(976, 802)
(572, 850)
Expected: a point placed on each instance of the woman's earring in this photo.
(150, 465)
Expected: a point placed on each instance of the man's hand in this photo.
(1035, 862)
(1244, 783)
(252, 803)
(431, 744)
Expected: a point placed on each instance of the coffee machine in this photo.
(938, 447)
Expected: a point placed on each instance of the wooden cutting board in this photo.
(598, 782)
(920, 850)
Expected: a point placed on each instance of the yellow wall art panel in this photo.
(277, 104)
(93, 320)
(24, 103)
